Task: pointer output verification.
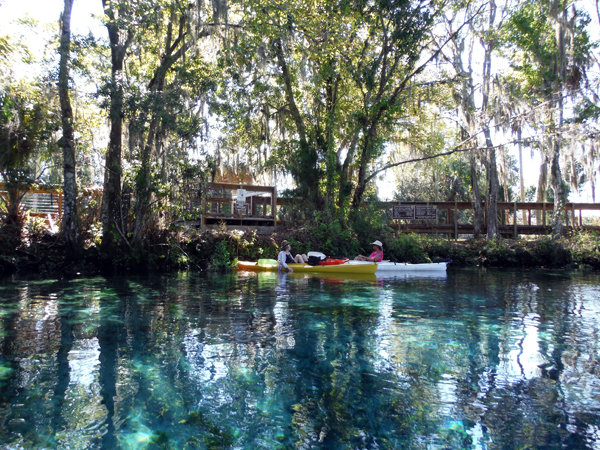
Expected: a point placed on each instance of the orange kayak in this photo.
(333, 261)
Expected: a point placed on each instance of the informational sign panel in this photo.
(405, 212)
(414, 212)
(240, 202)
(425, 212)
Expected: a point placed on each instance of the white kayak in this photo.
(389, 266)
(395, 267)
(407, 267)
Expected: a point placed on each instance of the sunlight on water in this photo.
(140, 435)
(474, 359)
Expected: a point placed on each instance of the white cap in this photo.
(377, 243)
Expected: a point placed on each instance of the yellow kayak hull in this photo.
(340, 268)
(335, 277)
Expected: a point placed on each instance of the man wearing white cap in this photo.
(376, 256)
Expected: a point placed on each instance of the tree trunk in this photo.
(542, 185)
(492, 168)
(111, 199)
(559, 191)
(478, 211)
(143, 179)
(492, 174)
(466, 109)
(344, 174)
(359, 189)
(367, 148)
(331, 165)
(143, 186)
(112, 221)
(306, 173)
(559, 75)
(70, 220)
(521, 174)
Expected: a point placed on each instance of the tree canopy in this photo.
(325, 98)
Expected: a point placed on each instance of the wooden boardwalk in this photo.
(243, 207)
(515, 218)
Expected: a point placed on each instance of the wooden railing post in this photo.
(60, 210)
(544, 213)
(274, 206)
(515, 221)
(203, 218)
(455, 220)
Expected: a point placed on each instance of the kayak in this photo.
(337, 268)
(318, 258)
(407, 267)
(333, 277)
(333, 261)
(271, 277)
(388, 266)
(412, 275)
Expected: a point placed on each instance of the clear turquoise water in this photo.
(478, 359)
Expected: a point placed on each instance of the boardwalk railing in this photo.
(242, 206)
(515, 218)
(47, 202)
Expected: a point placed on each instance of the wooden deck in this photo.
(240, 207)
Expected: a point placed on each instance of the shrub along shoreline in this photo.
(195, 250)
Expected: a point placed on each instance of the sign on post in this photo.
(240, 203)
(414, 212)
(425, 212)
(404, 212)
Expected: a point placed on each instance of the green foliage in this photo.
(585, 247)
(405, 248)
(248, 246)
(35, 227)
(498, 253)
(308, 93)
(26, 126)
(6, 47)
(438, 247)
(369, 223)
(552, 253)
(328, 237)
(93, 235)
(220, 259)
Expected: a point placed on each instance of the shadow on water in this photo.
(471, 359)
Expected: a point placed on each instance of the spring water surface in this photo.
(475, 359)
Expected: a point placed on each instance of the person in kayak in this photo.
(285, 257)
(376, 256)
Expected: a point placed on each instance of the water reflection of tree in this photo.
(527, 406)
(64, 317)
(37, 401)
(217, 361)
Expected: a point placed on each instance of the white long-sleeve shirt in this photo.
(281, 259)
